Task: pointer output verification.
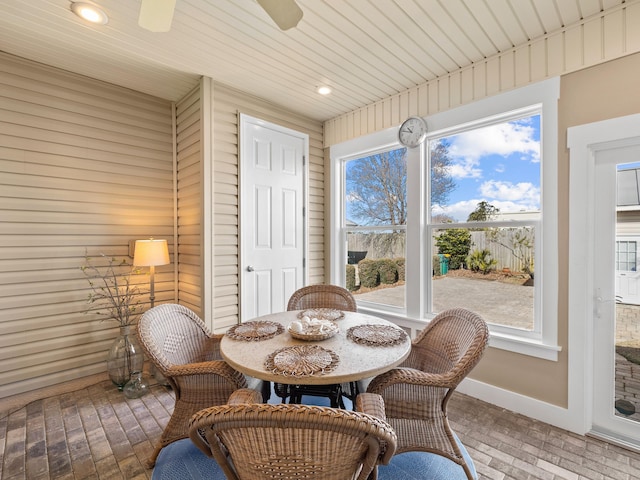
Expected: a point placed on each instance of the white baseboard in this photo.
(527, 406)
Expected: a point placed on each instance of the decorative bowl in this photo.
(322, 313)
(314, 333)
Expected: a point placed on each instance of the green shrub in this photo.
(401, 268)
(351, 278)
(436, 266)
(457, 243)
(388, 271)
(368, 271)
(481, 261)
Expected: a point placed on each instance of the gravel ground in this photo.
(495, 300)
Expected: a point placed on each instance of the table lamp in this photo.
(149, 253)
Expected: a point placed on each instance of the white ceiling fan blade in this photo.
(286, 13)
(156, 15)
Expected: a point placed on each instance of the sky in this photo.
(499, 164)
(628, 166)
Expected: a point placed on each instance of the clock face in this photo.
(412, 132)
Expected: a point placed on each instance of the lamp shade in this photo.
(150, 253)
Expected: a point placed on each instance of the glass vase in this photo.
(125, 357)
(159, 377)
(136, 387)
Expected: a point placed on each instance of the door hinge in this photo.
(304, 263)
(304, 211)
(304, 160)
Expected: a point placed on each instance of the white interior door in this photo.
(273, 201)
(610, 376)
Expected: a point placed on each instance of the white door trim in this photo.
(584, 142)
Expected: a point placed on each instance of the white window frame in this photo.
(543, 342)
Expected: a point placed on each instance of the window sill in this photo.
(500, 340)
(524, 346)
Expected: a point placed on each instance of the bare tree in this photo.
(377, 188)
(377, 185)
(520, 241)
(441, 181)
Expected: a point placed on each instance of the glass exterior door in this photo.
(616, 406)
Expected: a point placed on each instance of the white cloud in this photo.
(460, 211)
(505, 196)
(503, 139)
(524, 193)
(468, 168)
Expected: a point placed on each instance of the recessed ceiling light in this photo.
(89, 12)
(324, 90)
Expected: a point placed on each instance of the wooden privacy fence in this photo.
(391, 245)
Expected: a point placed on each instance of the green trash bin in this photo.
(444, 263)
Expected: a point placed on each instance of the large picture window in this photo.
(484, 213)
(375, 203)
(458, 222)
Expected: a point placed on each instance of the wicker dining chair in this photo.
(179, 344)
(417, 392)
(320, 296)
(256, 441)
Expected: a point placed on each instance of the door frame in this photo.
(243, 120)
(584, 143)
(606, 423)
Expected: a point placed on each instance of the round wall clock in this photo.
(412, 132)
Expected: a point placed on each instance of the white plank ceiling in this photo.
(365, 50)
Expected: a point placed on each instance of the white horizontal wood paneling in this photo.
(599, 38)
(84, 165)
(628, 223)
(193, 250)
(366, 50)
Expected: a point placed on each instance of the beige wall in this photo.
(222, 142)
(601, 92)
(228, 104)
(83, 165)
(189, 200)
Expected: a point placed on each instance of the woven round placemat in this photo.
(255, 331)
(376, 335)
(301, 361)
(322, 313)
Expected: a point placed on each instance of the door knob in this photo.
(250, 268)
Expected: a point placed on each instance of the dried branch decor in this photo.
(112, 290)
